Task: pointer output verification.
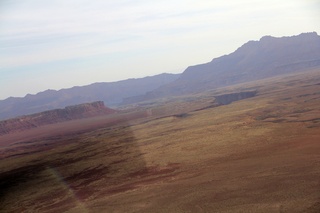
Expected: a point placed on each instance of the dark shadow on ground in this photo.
(66, 171)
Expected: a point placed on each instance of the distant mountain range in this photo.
(111, 93)
(254, 60)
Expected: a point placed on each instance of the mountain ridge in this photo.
(254, 60)
(112, 93)
(267, 57)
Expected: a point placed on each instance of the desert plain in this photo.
(181, 154)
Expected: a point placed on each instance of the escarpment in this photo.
(231, 97)
(54, 116)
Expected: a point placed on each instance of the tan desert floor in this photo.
(260, 154)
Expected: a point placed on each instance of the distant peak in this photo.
(304, 35)
(267, 38)
(310, 33)
(29, 95)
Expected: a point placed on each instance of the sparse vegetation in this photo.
(232, 158)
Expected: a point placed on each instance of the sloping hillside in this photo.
(254, 60)
(111, 93)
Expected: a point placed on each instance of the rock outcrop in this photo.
(54, 116)
(231, 97)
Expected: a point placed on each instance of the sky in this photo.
(63, 43)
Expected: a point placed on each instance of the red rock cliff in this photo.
(54, 116)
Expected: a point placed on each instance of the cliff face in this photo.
(231, 97)
(54, 116)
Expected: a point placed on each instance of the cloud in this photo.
(137, 33)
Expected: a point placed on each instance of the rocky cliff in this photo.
(231, 97)
(54, 116)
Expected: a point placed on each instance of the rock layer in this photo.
(231, 97)
(54, 116)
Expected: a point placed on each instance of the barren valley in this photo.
(184, 154)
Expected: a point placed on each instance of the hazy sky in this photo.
(63, 43)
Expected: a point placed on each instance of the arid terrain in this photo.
(183, 154)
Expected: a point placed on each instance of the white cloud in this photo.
(181, 32)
